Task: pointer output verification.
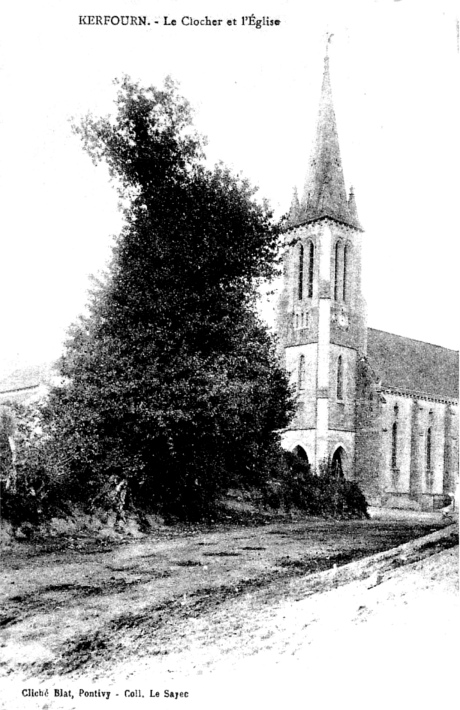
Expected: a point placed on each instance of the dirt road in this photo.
(213, 610)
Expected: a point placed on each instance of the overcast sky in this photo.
(395, 81)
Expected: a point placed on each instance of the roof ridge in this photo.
(415, 340)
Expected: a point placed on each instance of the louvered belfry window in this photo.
(311, 265)
(300, 282)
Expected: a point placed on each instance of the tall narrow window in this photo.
(394, 445)
(338, 270)
(311, 265)
(428, 449)
(302, 372)
(346, 254)
(300, 284)
(339, 378)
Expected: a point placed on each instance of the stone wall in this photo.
(305, 417)
(368, 441)
(342, 410)
(414, 465)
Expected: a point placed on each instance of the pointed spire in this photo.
(325, 194)
(352, 206)
(294, 212)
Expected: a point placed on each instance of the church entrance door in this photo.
(337, 462)
(301, 453)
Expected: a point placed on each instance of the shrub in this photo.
(326, 494)
(32, 488)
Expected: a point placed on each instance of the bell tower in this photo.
(321, 316)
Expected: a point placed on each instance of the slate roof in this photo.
(20, 379)
(412, 365)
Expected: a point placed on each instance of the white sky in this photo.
(395, 81)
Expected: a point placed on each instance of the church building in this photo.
(380, 408)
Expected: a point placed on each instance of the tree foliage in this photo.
(30, 486)
(171, 381)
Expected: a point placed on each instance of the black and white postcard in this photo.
(229, 354)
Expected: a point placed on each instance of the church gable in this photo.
(412, 365)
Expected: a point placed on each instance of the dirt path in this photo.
(227, 602)
(389, 642)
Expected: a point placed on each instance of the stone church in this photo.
(381, 408)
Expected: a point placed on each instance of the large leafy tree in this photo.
(171, 383)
